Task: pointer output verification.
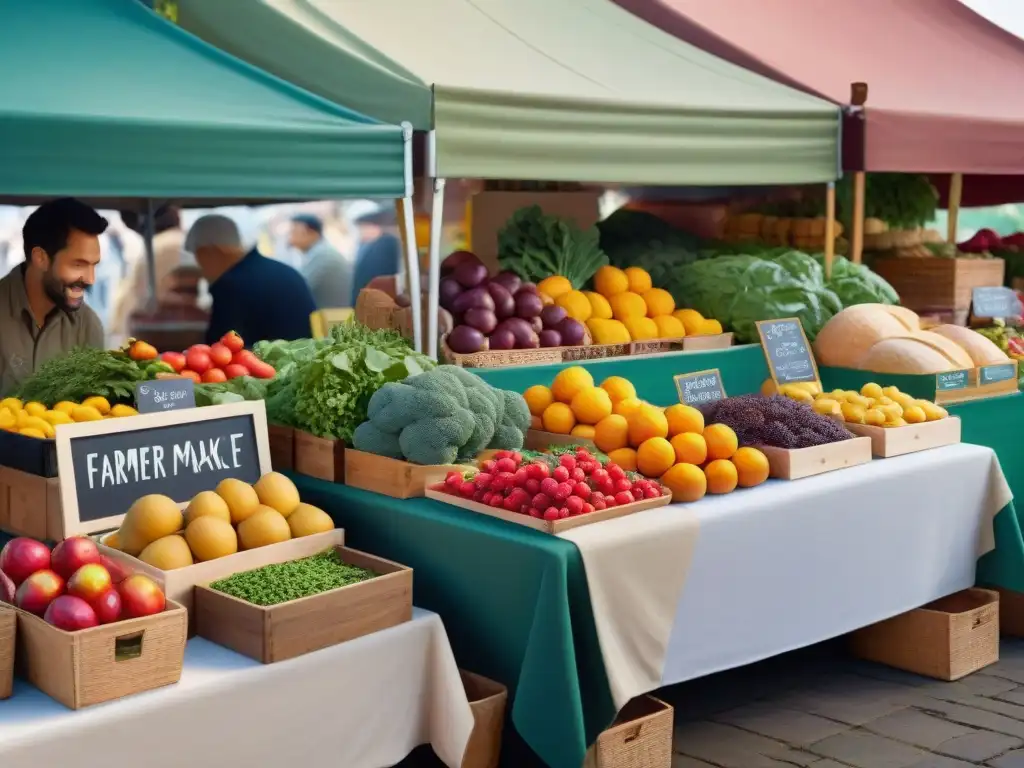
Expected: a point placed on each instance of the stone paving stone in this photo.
(801, 759)
(1013, 759)
(1015, 696)
(916, 727)
(940, 761)
(726, 746)
(979, 746)
(682, 761)
(993, 705)
(978, 718)
(866, 750)
(788, 725)
(853, 708)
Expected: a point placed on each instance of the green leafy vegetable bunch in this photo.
(535, 245)
(81, 373)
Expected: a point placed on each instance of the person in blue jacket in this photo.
(380, 251)
(260, 298)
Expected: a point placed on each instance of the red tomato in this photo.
(199, 347)
(261, 370)
(232, 341)
(214, 376)
(187, 374)
(235, 370)
(174, 359)
(220, 355)
(244, 357)
(198, 361)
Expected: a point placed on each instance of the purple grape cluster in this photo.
(777, 421)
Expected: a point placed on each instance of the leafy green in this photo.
(856, 284)
(81, 373)
(639, 239)
(233, 391)
(902, 200)
(535, 245)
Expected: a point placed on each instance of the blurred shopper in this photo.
(380, 250)
(42, 301)
(326, 271)
(260, 298)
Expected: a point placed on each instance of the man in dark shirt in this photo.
(260, 298)
(380, 252)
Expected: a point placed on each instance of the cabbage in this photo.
(856, 284)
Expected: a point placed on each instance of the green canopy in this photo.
(106, 100)
(571, 90)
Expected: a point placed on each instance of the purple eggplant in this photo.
(448, 291)
(470, 275)
(572, 332)
(508, 280)
(552, 315)
(474, 297)
(503, 338)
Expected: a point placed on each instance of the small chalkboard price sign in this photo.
(949, 381)
(995, 301)
(105, 466)
(787, 351)
(991, 374)
(165, 395)
(699, 387)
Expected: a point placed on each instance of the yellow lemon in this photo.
(35, 409)
(101, 404)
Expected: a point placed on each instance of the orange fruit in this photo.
(569, 382)
(655, 456)
(690, 448)
(721, 440)
(684, 418)
(536, 422)
(611, 433)
(558, 417)
(599, 306)
(624, 457)
(554, 286)
(721, 475)
(628, 304)
(610, 281)
(618, 388)
(659, 302)
(692, 320)
(583, 431)
(669, 327)
(626, 405)
(591, 405)
(639, 279)
(710, 327)
(538, 397)
(576, 305)
(686, 481)
(646, 422)
(751, 467)
(641, 328)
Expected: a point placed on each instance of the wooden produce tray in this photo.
(8, 628)
(319, 457)
(798, 463)
(30, 505)
(887, 442)
(977, 391)
(284, 631)
(926, 283)
(103, 663)
(282, 447)
(392, 477)
(539, 440)
(547, 526)
(179, 584)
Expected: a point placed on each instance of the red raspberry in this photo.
(624, 497)
(607, 487)
(568, 461)
(598, 505)
(453, 478)
(561, 474)
(551, 513)
(503, 480)
(548, 485)
(582, 490)
(482, 479)
(582, 454)
(505, 465)
(511, 503)
(574, 504)
(497, 501)
(596, 496)
(534, 512)
(599, 475)
(502, 454)
(488, 466)
(541, 501)
(563, 492)
(532, 486)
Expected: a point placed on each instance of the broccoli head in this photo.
(517, 412)
(395, 405)
(439, 380)
(369, 438)
(437, 441)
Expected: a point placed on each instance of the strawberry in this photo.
(541, 501)
(502, 454)
(521, 476)
(467, 489)
(596, 496)
(548, 485)
(624, 497)
(581, 490)
(574, 504)
(599, 475)
(578, 475)
(561, 474)
(517, 457)
(505, 465)
(453, 481)
(482, 479)
(534, 512)
(532, 486)
(652, 492)
(503, 480)
(582, 454)
(488, 466)
(563, 492)
(614, 470)
(587, 508)
(551, 513)
(623, 484)
(600, 505)
(568, 461)
(511, 504)
(539, 470)
(607, 487)
(563, 512)
(497, 501)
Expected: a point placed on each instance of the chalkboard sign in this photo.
(104, 466)
(165, 395)
(951, 380)
(787, 351)
(990, 374)
(699, 387)
(996, 302)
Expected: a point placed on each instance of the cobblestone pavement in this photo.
(820, 708)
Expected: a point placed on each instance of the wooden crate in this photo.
(947, 639)
(438, 493)
(977, 391)
(392, 477)
(179, 584)
(284, 631)
(640, 737)
(8, 627)
(539, 440)
(30, 505)
(707, 341)
(927, 283)
(282, 447)
(319, 457)
(487, 700)
(103, 663)
(887, 442)
(797, 463)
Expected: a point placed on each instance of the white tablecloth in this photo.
(362, 704)
(765, 570)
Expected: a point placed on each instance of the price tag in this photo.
(995, 302)
(165, 395)
(787, 351)
(699, 387)
(990, 374)
(951, 380)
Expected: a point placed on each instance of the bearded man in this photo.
(42, 300)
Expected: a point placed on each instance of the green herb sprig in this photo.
(282, 582)
(81, 373)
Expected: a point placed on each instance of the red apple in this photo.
(140, 596)
(198, 361)
(70, 613)
(7, 589)
(89, 582)
(214, 376)
(39, 590)
(174, 359)
(107, 606)
(22, 557)
(118, 572)
(235, 370)
(71, 554)
(220, 355)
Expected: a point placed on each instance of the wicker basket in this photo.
(640, 737)
(8, 622)
(947, 639)
(487, 700)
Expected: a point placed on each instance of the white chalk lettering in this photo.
(181, 456)
(158, 462)
(108, 472)
(144, 462)
(90, 465)
(236, 449)
(118, 468)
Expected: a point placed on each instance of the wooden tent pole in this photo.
(956, 190)
(830, 227)
(857, 237)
